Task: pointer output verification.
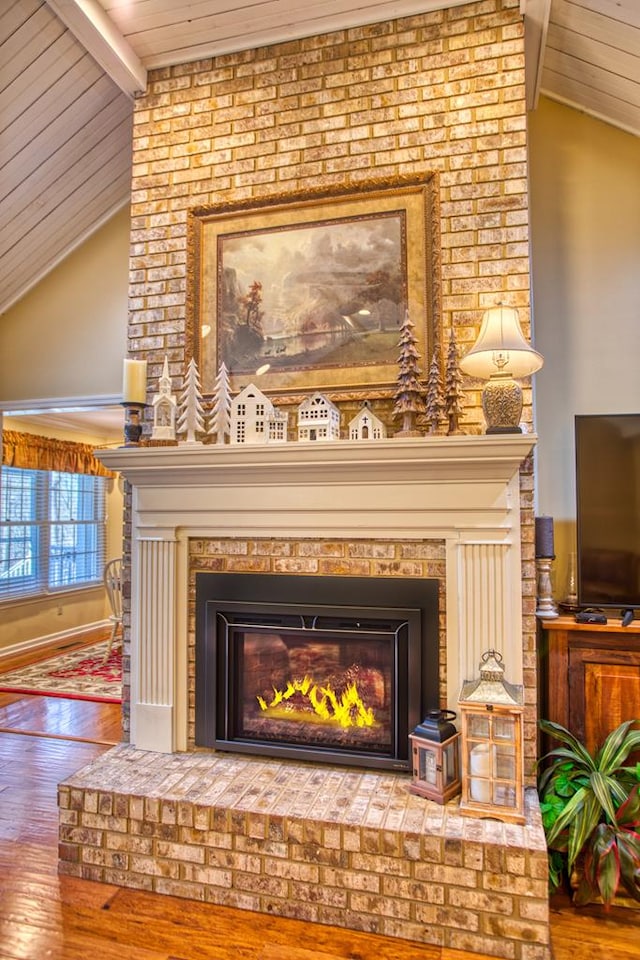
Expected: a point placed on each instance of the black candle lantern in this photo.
(435, 757)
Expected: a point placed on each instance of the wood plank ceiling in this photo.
(69, 70)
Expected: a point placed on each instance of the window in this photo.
(52, 531)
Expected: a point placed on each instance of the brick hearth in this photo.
(324, 844)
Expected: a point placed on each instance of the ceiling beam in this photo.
(100, 37)
(536, 21)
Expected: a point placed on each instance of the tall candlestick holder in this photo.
(546, 607)
(132, 423)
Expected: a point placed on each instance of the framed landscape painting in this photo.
(309, 293)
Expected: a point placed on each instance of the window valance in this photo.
(32, 452)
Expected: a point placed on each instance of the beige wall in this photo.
(27, 620)
(585, 218)
(67, 336)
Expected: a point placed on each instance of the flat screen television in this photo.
(608, 510)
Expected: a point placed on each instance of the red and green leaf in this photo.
(628, 813)
(604, 863)
(629, 854)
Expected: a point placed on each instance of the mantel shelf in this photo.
(460, 458)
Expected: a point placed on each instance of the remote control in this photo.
(588, 616)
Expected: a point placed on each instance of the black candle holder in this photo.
(132, 423)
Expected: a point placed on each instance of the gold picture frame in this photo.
(307, 292)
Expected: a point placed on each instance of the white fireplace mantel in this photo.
(463, 490)
(457, 457)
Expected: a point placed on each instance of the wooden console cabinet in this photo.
(589, 676)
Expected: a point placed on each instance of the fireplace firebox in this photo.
(328, 669)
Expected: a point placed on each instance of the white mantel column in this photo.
(484, 598)
(153, 666)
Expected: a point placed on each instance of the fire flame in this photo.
(348, 710)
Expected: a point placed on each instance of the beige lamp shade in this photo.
(501, 347)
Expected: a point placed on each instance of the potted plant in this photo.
(590, 806)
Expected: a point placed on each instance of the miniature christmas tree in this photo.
(453, 388)
(220, 422)
(435, 402)
(191, 418)
(409, 395)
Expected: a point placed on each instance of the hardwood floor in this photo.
(44, 916)
(60, 718)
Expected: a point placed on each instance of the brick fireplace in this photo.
(438, 96)
(346, 845)
(461, 491)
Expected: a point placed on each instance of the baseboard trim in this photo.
(54, 639)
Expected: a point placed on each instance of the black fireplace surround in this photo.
(328, 669)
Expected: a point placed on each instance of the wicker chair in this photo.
(112, 579)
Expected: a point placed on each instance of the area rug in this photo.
(78, 675)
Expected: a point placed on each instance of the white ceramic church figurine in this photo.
(366, 426)
(318, 419)
(164, 408)
(254, 418)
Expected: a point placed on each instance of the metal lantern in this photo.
(491, 713)
(435, 757)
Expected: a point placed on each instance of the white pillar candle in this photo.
(480, 765)
(134, 381)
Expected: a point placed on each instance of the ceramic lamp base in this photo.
(502, 404)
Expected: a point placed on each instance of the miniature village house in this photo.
(254, 419)
(318, 419)
(366, 426)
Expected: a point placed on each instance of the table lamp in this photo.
(499, 354)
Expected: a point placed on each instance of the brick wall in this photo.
(440, 92)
